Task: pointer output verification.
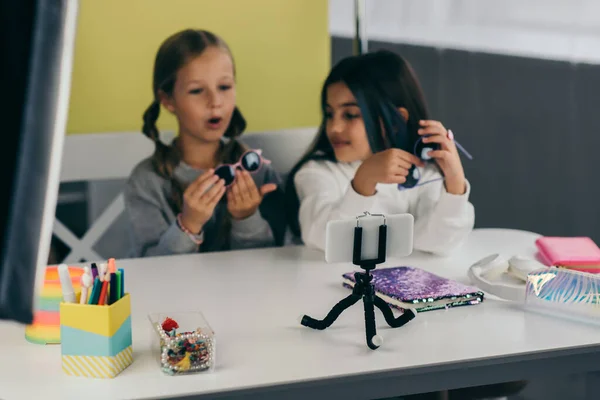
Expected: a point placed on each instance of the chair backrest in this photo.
(105, 161)
(104, 156)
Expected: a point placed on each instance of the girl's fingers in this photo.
(230, 198)
(240, 192)
(243, 188)
(432, 130)
(402, 163)
(402, 171)
(397, 171)
(213, 192)
(208, 174)
(442, 140)
(267, 188)
(212, 202)
(400, 179)
(253, 193)
(401, 155)
(435, 139)
(431, 123)
(411, 159)
(198, 188)
(396, 179)
(235, 192)
(439, 154)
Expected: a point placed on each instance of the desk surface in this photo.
(253, 298)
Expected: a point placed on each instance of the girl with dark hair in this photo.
(370, 143)
(197, 193)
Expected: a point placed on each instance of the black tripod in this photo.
(363, 288)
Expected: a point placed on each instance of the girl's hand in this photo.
(388, 166)
(200, 200)
(447, 157)
(243, 197)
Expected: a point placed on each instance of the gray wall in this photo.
(533, 129)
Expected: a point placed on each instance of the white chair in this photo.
(105, 160)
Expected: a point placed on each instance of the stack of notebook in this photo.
(578, 253)
(408, 287)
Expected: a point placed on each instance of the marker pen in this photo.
(86, 283)
(65, 284)
(102, 268)
(94, 270)
(112, 268)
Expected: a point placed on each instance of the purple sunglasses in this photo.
(422, 150)
(251, 161)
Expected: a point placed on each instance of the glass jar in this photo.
(184, 343)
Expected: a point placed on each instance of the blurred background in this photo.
(517, 82)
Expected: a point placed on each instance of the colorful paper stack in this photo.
(576, 253)
(46, 323)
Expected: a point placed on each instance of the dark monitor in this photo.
(37, 39)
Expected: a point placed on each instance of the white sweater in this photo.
(442, 220)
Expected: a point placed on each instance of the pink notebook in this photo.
(570, 252)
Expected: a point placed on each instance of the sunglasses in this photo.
(422, 150)
(250, 161)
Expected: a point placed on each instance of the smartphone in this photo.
(339, 237)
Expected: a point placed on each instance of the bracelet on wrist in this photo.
(196, 238)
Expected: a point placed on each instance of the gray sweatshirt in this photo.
(154, 229)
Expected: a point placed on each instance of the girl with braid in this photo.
(197, 193)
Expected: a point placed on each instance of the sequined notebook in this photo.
(408, 287)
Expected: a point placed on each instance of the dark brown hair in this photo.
(172, 55)
(381, 82)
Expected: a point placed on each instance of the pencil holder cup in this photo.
(45, 328)
(96, 340)
(183, 342)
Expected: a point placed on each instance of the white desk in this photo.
(253, 298)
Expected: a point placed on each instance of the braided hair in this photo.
(172, 55)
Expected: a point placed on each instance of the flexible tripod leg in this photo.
(373, 341)
(335, 311)
(389, 315)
